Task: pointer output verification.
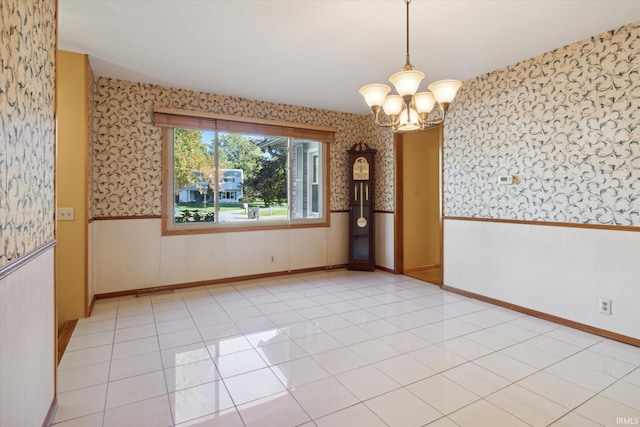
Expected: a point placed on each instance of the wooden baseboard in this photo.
(388, 270)
(225, 280)
(335, 267)
(51, 415)
(65, 336)
(90, 309)
(550, 317)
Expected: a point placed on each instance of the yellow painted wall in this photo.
(71, 184)
(421, 176)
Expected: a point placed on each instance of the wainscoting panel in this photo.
(562, 271)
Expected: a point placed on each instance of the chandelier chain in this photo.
(408, 66)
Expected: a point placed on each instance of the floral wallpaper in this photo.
(566, 123)
(382, 140)
(127, 148)
(27, 127)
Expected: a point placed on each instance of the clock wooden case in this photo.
(361, 191)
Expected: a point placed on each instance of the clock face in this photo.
(361, 169)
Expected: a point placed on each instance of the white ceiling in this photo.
(318, 53)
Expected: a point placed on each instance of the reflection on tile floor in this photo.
(337, 348)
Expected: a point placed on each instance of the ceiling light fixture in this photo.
(409, 110)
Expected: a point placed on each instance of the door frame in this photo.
(398, 223)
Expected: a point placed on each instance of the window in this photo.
(228, 175)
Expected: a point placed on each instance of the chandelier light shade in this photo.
(374, 94)
(445, 90)
(392, 105)
(424, 101)
(409, 110)
(407, 82)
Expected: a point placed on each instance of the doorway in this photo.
(418, 224)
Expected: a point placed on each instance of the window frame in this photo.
(169, 119)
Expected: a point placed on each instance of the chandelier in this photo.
(409, 110)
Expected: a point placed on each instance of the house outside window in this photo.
(231, 186)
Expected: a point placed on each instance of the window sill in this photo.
(241, 227)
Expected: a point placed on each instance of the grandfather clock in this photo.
(361, 190)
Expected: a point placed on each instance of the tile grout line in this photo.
(245, 290)
(164, 374)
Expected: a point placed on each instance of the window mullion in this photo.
(289, 181)
(216, 181)
(171, 180)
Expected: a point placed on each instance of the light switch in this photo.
(66, 214)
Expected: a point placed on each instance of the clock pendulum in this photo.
(362, 221)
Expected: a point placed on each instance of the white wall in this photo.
(91, 275)
(384, 240)
(132, 254)
(27, 332)
(561, 271)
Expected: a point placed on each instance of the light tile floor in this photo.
(337, 348)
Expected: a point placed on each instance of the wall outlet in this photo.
(605, 305)
(272, 259)
(66, 214)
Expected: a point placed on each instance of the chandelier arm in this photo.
(431, 123)
(384, 125)
(376, 114)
